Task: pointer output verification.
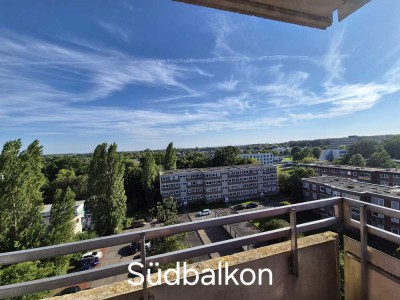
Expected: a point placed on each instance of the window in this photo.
(355, 213)
(354, 173)
(321, 188)
(379, 202)
(395, 230)
(384, 175)
(314, 187)
(395, 205)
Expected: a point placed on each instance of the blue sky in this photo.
(74, 74)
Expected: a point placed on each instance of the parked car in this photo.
(89, 261)
(204, 212)
(97, 254)
(84, 268)
(239, 207)
(251, 205)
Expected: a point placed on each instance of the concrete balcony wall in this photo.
(318, 276)
(383, 273)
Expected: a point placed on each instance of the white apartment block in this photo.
(230, 183)
(336, 143)
(262, 158)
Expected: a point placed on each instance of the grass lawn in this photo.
(287, 158)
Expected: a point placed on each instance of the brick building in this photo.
(230, 183)
(324, 187)
(388, 177)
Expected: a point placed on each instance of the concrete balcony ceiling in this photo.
(311, 13)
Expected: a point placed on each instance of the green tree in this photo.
(284, 183)
(170, 158)
(133, 187)
(61, 228)
(21, 201)
(309, 160)
(193, 159)
(295, 150)
(66, 178)
(149, 177)
(167, 213)
(106, 189)
(392, 146)
(27, 271)
(364, 147)
(295, 183)
(357, 160)
(226, 156)
(316, 151)
(381, 159)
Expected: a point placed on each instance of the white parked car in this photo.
(97, 254)
(204, 212)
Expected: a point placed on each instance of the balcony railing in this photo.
(342, 215)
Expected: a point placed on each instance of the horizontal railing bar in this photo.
(9, 258)
(384, 234)
(19, 289)
(389, 212)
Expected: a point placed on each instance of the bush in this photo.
(274, 224)
(284, 203)
(397, 253)
(128, 222)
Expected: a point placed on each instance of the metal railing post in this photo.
(294, 267)
(364, 252)
(144, 263)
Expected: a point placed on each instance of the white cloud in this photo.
(115, 30)
(228, 85)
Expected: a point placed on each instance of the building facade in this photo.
(262, 158)
(324, 187)
(78, 220)
(332, 154)
(388, 177)
(230, 183)
(347, 142)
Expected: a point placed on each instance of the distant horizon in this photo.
(93, 71)
(219, 146)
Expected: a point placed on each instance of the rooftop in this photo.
(210, 169)
(356, 186)
(393, 170)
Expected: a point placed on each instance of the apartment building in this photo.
(78, 220)
(332, 154)
(262, 158)
(324, 187)
(388, 177)
(336, 143)
(229, 183)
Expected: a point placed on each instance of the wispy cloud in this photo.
(228, 85)
(115, 30)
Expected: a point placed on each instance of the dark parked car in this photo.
(239, 207)
(251, 205)
(84, 268)
(91, 261)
